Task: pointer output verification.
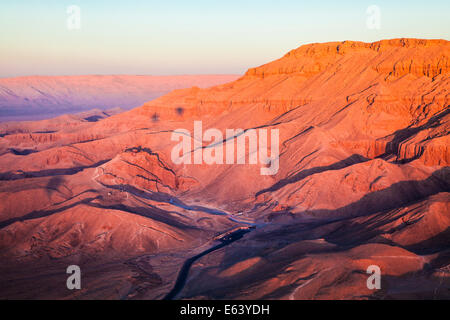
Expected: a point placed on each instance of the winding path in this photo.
(184, 272)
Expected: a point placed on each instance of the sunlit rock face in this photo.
(363, 180)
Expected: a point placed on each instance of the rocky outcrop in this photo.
(363, 180)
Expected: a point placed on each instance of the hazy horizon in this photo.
(175, 38)
(139, 162)
(122, 75)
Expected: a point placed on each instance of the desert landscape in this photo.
(363, 180)
(45, 97)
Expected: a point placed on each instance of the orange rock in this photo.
(363, 179)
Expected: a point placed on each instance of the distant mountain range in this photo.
(41, 97)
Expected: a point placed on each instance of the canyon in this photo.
(363, 180)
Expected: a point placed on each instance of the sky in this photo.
(171, 37)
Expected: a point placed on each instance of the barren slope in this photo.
(363, 180)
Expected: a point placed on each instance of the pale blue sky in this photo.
(192, 37)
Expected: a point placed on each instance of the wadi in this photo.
(355, 138)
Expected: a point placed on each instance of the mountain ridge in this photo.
(363, 180)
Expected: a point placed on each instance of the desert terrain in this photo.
(363, 180)
(45, 97)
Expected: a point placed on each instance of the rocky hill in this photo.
(363, 180)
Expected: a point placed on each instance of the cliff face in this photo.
(363, 179)
(369, 95)
(394, 57)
